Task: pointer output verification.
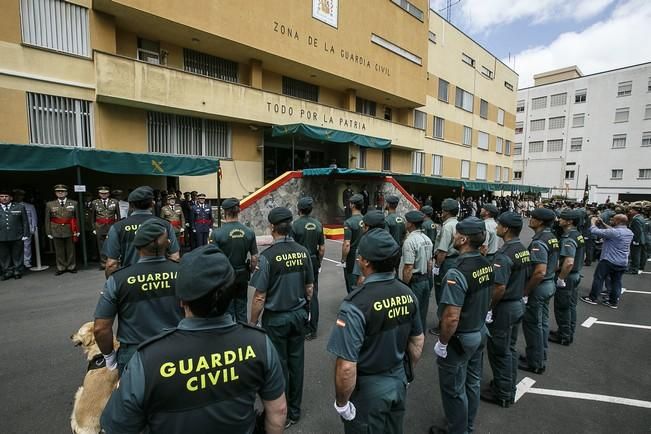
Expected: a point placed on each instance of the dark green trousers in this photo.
(125, 352)
(380, 403)
(565, 300)
(501, 346)
(422, 290)
(535, 323)
(287, 332)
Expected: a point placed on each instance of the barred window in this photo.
(365, 106)
(437, 165)
(554, 145)
(619, 141)
(578, 120)
(558, 99)
(420, 119)
(418, 163)
(539, 103)
(211, 66)
(483, 140)
(467, 135)
(557, 122)
(463, 100)
(57, 25)
(499, 145)
(185, 135)
(55, 120)
(537, 146)
(300, 89)
(517, 149)
(481, 171)
(439, 127)
(537, 124)
(576, 144)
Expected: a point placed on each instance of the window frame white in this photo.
(644, 173)
(580, 96)
(622, 115)
(395, 49)
(617, 140)
(517, 175)
(481, 171)
(558, 99)
(437, 165)
(624, 88)
(465, 167)
(499, 145)
(576, 117)
(438, 121)
(570, 174)
(60, 121)
(555, 145)
(467, 135)
(500, 117)
(646, 137)
(556, 123)
(418, 162)
(483, 140)
(616, 174)
(576, 144)
(536, 146)
(537, 124)
(539, 103)
(498, 173)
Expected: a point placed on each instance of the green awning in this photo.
(330, 135)
(26, 158)
(470, 185)
(326, 171)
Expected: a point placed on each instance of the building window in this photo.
(420, 119)
(500, 116)
(625, 88)
(410, 9)
(481, 171)
(621, 114)
(465, 169)
(432, 37)
(388, 113)
(520, 107)
(365, 106)
(517, 175)
(149, 51)
(616, 173)
(506, 174)
(443, 90)
(537, 124)
(507, 148)
(517, 149)
(580, 96)
(539, 103)
(467, 60)
(57, 25)
(396, 49)
(467, 136)
(537, 146)
(483, 109)
(578, 120)
(508, 85)
(437, 165)
(576, 144)
(487, 72)
(558, 99)
(386, 159)
(648, 86)
(619, 141)
(498, 173)
(519, 127)
(647, 111)
(55, 120)
(361, 160)
(185, 135)
(554, 145)
(211, 66)
(557, 122)
(646, 138)
(418, 163)
(499, 145)
(483, 141)
(644, 174)
(569, 174)
(301, 89)
(463, 100)
(439, 127)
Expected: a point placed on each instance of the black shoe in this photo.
(4, 277)
(609, 304)
(557, 339)
(59, 272)
(17, 276)
(434, 331)
(310, 336)
(488, 396)
(587, 299)
(437, 430)
(73, 271)
(290, 422)
(522, 358)
(524, 366)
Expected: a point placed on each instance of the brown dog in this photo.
(99, 383)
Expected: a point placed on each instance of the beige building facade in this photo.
(213, 77)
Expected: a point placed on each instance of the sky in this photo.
(533, 36)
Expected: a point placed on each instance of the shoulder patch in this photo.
(399, 220)
(156, 338)
(452, 282)
(340, 323)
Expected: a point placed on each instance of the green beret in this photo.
(377, 245)
(449, 205)
(149, 231)
(392, 199)
(229, 203)
(570, 214)
(279, 214)
(427, 210)
(543, 214)
(415, 217)
(357, 199)
(141, 193)
(510, 219)
(305, 202)
(374, 218)
(470, 226)
(492, 209)
(201, 271)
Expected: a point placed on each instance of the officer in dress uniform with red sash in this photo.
(61, 226)
(104, 211)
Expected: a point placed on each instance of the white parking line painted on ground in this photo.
(588, 322)
(330, 260)
(591, 397)
(523, 387)
(638, 292)
(592, 320)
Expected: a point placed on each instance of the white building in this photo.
(571, 126)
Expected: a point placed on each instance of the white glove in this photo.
(560, 283)
(76, 234)
(94, 232)
(525, 299)
(435, 270)
(50, 237)
(341, 264)
(489, 317)
(194, 230)
(441, 350)
(182, 230)
(111, 360)
(348, 411)
(187, 225)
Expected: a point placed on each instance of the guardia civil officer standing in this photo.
(308, 232)
(14, 230)
(202, 376)
(416, 261)
(638, 245)
(572, 253)
(511, 266)
(104, 212)
(119, 247)
(488, 213)
(238, 243)
(352, 233)
(429, 227)
(395, 223)
(62, 227)
(464, 304)
(543, 250)
(173, 213)
(142, 295)
(373, 219)
(445, 254)
(201, 221)
(283, 287)
(377, 329)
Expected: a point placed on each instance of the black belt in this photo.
(511, 299)
(450, 257)
(417, 277)
(388, 371)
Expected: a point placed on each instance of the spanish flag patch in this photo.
(497, 265)
(452, 282)
(341, 323)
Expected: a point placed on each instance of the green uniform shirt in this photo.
(396, 227)
(236, 241)
(445, 239)
(572, 245)
(353, 230)
(637, 227)
(544, 250)
(14, 222)
(308, 232)
(430, 229)
(417, 251)
(511, 267)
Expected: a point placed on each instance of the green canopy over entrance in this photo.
(330, 135)
(24, 158)
(470, 185)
